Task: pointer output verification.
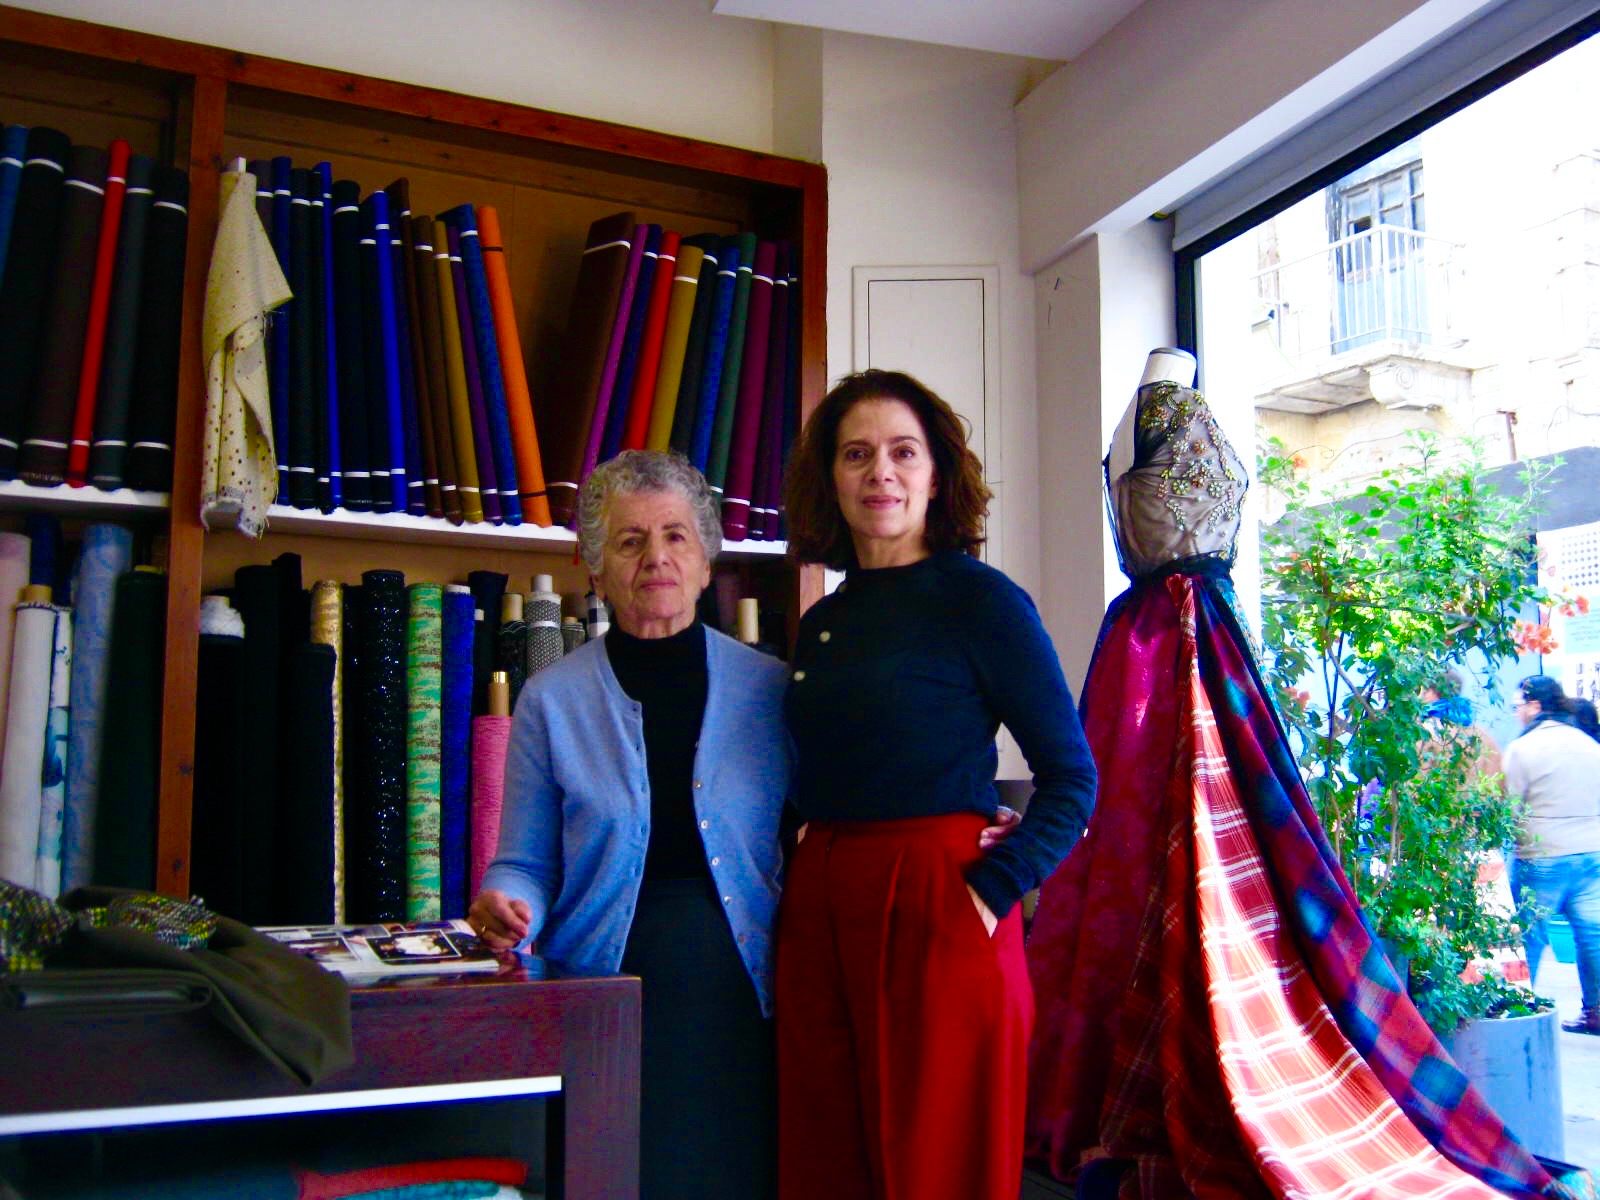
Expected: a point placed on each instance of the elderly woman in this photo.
(644, 783)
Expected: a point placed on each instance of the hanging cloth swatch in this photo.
(568, 411)
(431, 346)
(15, 555)
(376, 829)
(423, 687)
(216, 872)
(30, 266)
(684, 288)
(27, 718)
(491, 372)
(155, 378)
(606, 393)
(124, 837)
(714, 360)
(350, 335)
(750, 396)
(305, 892)
(327, 628)
(473, 505)
(519, 404)
(13, 145)
(239, 470)
(53, 779)
(417, 376)
(686, 409)
(490, 737)
(106, 555)
(477, 406)
(618, 415)
(115, 394)
(732, 364)
(94, 338)
(455, 750)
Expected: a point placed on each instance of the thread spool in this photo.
(749, 621)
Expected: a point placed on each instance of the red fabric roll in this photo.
(490, 736)
(752, 386)
(314, 1185)
(655, 328)
(94, 338)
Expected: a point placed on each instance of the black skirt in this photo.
(708, 1113)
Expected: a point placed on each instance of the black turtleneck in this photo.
(667, 678)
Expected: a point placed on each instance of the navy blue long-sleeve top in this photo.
(900, 682)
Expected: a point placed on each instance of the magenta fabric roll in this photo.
(490, 736)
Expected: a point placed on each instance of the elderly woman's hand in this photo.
(498, 920)
(1005, 820)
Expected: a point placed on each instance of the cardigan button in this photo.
(824, 636)
(716, 861)
(705, 824)
(799, 675)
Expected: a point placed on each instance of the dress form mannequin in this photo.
(1168, 364)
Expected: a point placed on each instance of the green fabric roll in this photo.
(424, 688)
(732, 362)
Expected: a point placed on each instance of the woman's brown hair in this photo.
(817, 530)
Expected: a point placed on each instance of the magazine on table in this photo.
(389, 947)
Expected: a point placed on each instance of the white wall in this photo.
(666, 65)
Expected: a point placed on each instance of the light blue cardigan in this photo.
(577, 804)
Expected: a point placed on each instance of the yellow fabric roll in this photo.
(680, 308)
(327, 627)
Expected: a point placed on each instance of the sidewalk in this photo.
(1580, 1066)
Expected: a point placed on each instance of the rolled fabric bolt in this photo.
(573, 634)
(749, 624)
(543, 611)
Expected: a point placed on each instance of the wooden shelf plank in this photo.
(16, 496)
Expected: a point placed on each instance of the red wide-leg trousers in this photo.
(903, 1025)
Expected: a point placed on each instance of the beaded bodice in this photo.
(1174, 483)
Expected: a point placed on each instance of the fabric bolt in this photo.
(45, 551)
(216, 855)
(655, 329)
(545, 645)
(488, 591)
(314, 313)
(430, 341)
(349, 331)
(300, 478)
(106, 555)
(27, 722)
(455, 738)
(53, 777)
(257, 595)
(386, 432)
(491, 371)
(472, 371)
(490, 737)
(568, 411)
(686, 410)
(13, 145)
(618, 415)
(424, 684)
(376, 830)
(519, 404)
(769, 446)
(43, 457)
(473, 506)
(124, 836)
(573, 634)
(14, 562)
(328, 347)
(239, 477)
(732, 367)
(94, 339)
(791, 388)
(417, 503)
(30, 267)
(280, 350)
(115, 392)
(714, 361)
(751, 395)
(366, 1180)
(305, 875)
(683, 291)
(511, 655)
(418, 376)
(621, 319)
(148, 466)
(327, 629)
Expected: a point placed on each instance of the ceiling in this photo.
(1054, 29)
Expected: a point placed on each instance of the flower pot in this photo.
(1516, 1064)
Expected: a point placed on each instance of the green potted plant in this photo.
(1368, 602)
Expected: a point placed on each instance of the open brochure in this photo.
(389, 948)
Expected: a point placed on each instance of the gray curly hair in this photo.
(643, 471)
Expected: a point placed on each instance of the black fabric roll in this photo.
(125, 823)
(155, 375)
(683, 415)
(376, 396)
(43, 457)
(261, 168)
(375, 846)
(305, 835)
(300, 453)
(110, 446)
(216, 866)
(294, 606)
(30, 261)
(511, 655)
(350, 336)
(321, 448)
(399, 196)
(488, 589)
(257, 597)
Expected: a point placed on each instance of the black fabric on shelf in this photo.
(258, 598)
(376, 394)
(216, 858)
(375, 847)
(305, 858)
(350, 334)
(155, 378)
(300, 454)
(488, 589)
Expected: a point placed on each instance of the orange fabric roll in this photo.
(519, 404)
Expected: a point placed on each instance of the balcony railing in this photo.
(1385, 284)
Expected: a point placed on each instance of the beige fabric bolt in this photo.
(239, 474)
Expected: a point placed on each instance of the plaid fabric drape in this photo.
(1212, 1010)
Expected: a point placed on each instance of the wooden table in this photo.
(422, 1040)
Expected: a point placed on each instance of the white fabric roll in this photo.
(27, 713)
(53, 773)
(15, 552)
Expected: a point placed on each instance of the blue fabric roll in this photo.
(107, 553)
(455, 754)
(376, 207)
(13, 144)
(489, 368)
(416, 503)
(628, 363)
(716, 349)
(279, 356)
(330, 347)
(44, 553)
